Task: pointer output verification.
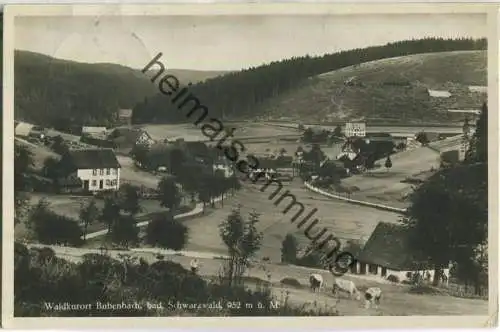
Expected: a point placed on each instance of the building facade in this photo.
(98, 169)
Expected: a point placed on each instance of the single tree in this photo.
(388, 163)
(422, 138)
(129, 199)
(190, 180)
(125, 232)
(337, 132)
(88, 214)
(59, 146)
(242, 240)
(140, 154)
(166, 232)
(110, 213)
(169, 194)
(289, 248)
(478, 151)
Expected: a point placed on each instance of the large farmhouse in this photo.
(98, 169)
(387, 253)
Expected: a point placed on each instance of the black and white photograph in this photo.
(249, 163)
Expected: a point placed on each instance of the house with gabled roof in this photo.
(387, 252)
(128, 137)
(98, 169)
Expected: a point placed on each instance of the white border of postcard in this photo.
(307, 323)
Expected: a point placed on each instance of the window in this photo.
(113, 182)
(94, 172)
(108, 171)
(94, 183)
(384, 272)
(101, 172)
(373, 268)
(108, 182)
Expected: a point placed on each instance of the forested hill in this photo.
(55, 92)
(244, 94)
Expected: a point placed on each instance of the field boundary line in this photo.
(353, 201)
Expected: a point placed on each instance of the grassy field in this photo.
(393, 89)
(396, 299)
(191, 132)
(343, 220)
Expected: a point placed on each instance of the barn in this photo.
(387, 252)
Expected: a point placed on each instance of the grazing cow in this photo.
(346, 286)
(316, 282)
(372, 296)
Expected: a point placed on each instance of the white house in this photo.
(98, 169)
(387, 253)
(93, 130)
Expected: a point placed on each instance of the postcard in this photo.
(267, 164)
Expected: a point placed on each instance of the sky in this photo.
(227, 42)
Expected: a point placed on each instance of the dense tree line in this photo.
(240, 94)
(60, 93)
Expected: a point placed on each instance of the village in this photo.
(376, 152)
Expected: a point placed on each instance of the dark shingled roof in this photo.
(94, 159)
(388, 246)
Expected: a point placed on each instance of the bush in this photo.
(291, 282)
(393, 278)
(289, 248)
(166, 232)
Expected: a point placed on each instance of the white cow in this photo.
(316, 282)
(372, 297)
(346, 286)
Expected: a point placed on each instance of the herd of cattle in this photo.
(372, 295)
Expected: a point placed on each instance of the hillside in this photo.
(251, 93)
(52, 91)
(394, 89)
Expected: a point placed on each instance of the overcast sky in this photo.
(226, 42)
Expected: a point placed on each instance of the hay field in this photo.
(344, 220)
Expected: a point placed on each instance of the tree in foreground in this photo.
(448, 216)
(129, 199)
(289, 248)
(169, 195)
(478, 151)
(242, 240)
(51, 228)
(166, 232)
(110, 213)
(88, 214)
(125, 232)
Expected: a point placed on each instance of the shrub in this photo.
(291, 282)
(393, 278)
